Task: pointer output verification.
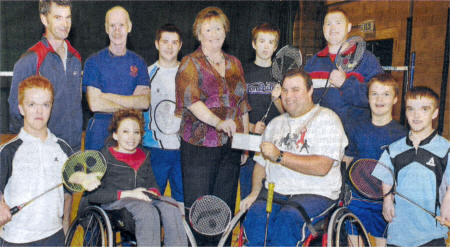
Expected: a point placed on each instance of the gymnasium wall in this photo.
(428, 38)
(20, 28)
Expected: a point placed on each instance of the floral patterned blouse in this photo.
(225, 96)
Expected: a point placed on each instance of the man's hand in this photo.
(138, 193)
(228, 126)
(388, 208)
(337, 77)
(276, 92)
(247, 202)
(259, 127)
(270, 151)
(445, 208)
(5, 214)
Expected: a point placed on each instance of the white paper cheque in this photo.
(246, 142)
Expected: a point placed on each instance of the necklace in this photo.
(216, 63)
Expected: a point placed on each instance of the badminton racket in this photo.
(287, 58)
(165, 119)
(208, 215)
(360, 175)
(348, 57)
(80, 168)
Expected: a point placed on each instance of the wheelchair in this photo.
(95, 226)
(339, 226)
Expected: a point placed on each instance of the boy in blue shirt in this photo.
(367, 140)
(420, 164)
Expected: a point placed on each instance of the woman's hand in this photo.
(228, 126)
(138, 193)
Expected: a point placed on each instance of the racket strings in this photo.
(350, 54)
(210, 215)
(165, 119)
(287, 58)
(85, 162)
(360, 175)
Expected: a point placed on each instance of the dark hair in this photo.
(266, 28)
(301, 73)
(423, 92)
(170, 28)
(386, 80)
(121, 115)
(44, 5)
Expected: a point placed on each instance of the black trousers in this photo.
(435, 242)
(56, 239)
(209, 171)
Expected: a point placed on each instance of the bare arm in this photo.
(139, 100)
(99, 104)
(67, 209)
(316, 165)
(278, 105)
(445, 207)
(259, 173)
(108, 102)
(388, 203)
(246, 123)
(276, 92)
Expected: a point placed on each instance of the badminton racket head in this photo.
(362, 178)
(350, 53)
(165, 119)
(287, 58)
(209, 215)
(87, 162)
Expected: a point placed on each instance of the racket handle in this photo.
(270, 198)
(14, 210)
(446, 223)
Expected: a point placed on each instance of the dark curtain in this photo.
(20, 28)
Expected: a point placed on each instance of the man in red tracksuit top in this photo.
(54, 58)
(347, 93)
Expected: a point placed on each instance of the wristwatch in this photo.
(280, 157)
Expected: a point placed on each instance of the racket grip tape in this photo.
(14, 210)
(270, 198)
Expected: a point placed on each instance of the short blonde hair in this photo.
(209, 13)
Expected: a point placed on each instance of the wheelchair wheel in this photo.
(230, 227)
(91, 228)
(345, 229)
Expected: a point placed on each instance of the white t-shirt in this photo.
(323, 135)
(162, 88)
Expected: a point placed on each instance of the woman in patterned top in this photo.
(212, 102)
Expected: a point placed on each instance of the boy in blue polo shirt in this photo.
(420, 162)
(367, 140)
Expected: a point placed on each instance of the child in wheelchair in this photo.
(128, 179)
